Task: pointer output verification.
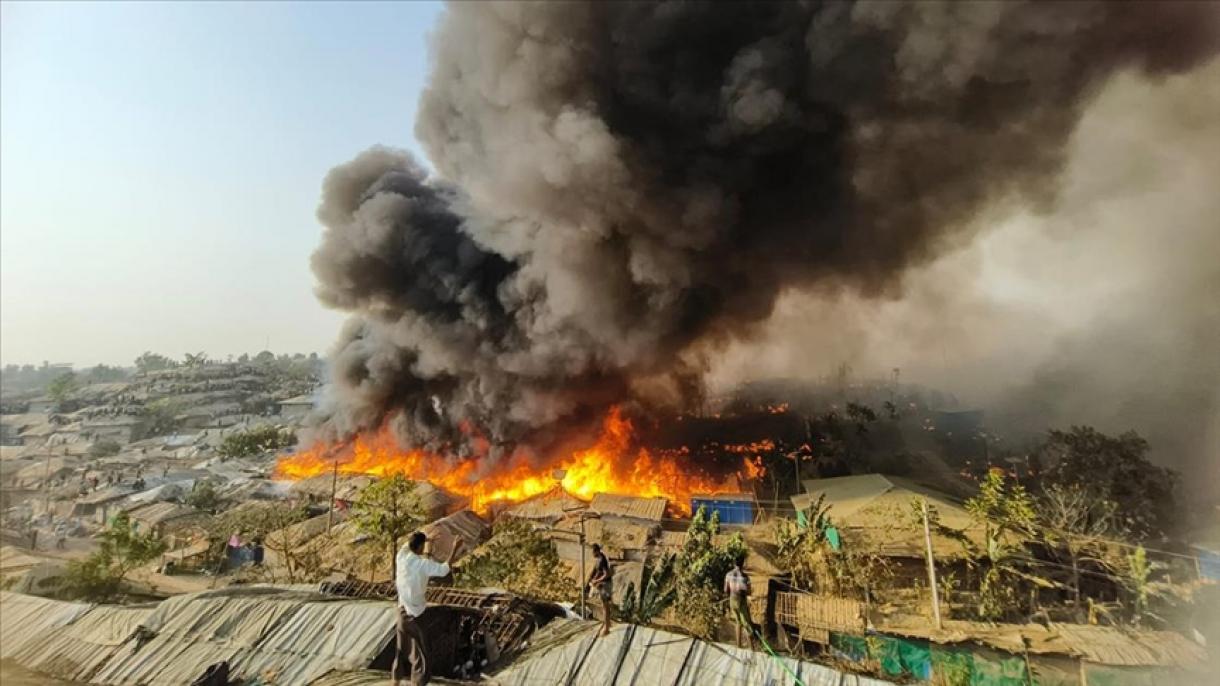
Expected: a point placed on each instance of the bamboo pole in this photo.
(927, 540)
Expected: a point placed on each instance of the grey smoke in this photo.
(624, 188)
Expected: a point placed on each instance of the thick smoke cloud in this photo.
(1103, 312)
(622, 186)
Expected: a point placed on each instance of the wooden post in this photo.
(334, 483)
(927, 540)
(584, 580)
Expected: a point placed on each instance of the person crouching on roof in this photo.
(414, 570)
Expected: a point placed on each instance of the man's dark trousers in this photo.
(410, 651)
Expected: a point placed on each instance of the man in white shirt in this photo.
(414, 570)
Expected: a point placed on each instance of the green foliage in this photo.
(387, 510)
(1138, 571)
(1006, 513)
(256, 441)
(62, 386)
(162, 415)
(702, 564)
(518, 559)
(105, 374)
(100, 577)
(801, 551)
(198, 359)
(104, 448)
(204, 497)
(149, 361)
(1116, 470)
(656, 593)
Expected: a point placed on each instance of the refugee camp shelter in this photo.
(546, 508)
(612, 505)
(464, 526)
(877, 511)
(569, 652)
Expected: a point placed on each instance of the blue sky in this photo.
(160, 166)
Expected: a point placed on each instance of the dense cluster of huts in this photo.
(56, 484)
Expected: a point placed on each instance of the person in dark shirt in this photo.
(601, 582)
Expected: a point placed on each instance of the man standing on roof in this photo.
(737, 586)
(414, 570)
(601, 581)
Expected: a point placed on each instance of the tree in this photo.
(100, 577)
(801, 549)
(1006, 513)
(702, 564)
(298, 555)
(195, 360)
(162, 415)
(387, 510)
(656, 593)
(256, 441)
(1077, 526)
(61, 387)
(105, 374)
(1116, 470)
(204, 498)
(149, 361)
(519, 559)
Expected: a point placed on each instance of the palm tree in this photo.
(656, 593)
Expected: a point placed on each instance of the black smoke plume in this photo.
(621, 186)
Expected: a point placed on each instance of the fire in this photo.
(614, 464)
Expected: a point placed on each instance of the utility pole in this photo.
(927, 540)
(559, 475)
(334, 482)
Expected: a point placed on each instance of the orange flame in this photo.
(612, 465)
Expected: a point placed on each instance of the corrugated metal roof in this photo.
(612, 504)
(24, 618)
(552, 505)
(76, 651)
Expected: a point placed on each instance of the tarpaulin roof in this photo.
(77, 650)
(1100, 644)
(23, 618)
(569, 652)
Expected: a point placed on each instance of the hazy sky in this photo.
(160, 166)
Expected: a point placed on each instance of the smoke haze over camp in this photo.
(612, 218)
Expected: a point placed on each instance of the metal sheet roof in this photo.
(611, 504)
(552, 505)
